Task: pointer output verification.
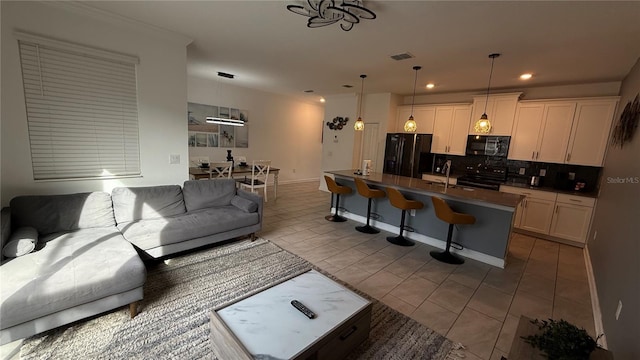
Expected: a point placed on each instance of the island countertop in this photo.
(488, 197)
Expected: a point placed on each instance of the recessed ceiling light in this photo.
(430, 86)
(322, 100)
(526, 76)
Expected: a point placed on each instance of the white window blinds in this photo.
(82, 111)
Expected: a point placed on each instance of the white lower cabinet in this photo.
(572, 217)
(561, 216)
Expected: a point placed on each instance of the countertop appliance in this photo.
(483, 177)
(408, 154)
(488, 145)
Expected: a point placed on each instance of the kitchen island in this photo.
(487, 240)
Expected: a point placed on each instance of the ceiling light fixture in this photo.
(328, 12)
(410, 124)
(359, 124)
(483, 125)
(526, 76)
(431, 86)
(222, 121)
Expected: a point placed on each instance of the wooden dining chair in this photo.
(259, 177)
(220, 169)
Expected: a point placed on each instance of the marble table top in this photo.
(267, 324)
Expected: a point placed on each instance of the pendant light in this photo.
(410, 124)
(359, 124)
(483, 125)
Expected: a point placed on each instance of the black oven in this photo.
(488, 145)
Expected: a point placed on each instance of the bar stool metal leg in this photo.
(335, 217)
(446, 256)
(401, 240)
(368, 229)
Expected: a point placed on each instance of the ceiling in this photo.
(270, 48)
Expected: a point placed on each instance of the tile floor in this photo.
(474, 303)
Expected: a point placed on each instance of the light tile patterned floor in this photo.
(474, 303)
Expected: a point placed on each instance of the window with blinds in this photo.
(82, 110)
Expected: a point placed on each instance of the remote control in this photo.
(303, 309)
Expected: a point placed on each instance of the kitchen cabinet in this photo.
(450, 129)
(572, 217)
(541, 131)
(565, 132)
(535, 212)
(590, 131)
(424, 116)
(501, 110)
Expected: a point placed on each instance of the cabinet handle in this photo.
(537, 154)
(533, 155)
(556, 211)
(568, 157)
(575, 200)
(525, 203)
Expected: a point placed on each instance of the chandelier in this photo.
(328, 12)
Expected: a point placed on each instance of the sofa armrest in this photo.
(253, 197)
(5, 221)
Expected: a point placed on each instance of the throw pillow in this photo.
(243, 204)
(21, 242)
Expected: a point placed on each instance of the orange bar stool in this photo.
(338, 190)
(446, 214)
(370, 194)
(398, 200)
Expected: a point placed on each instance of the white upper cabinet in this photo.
(424, 116)
(590, 131)
(501, 110)
(450, 129)
(572, 131)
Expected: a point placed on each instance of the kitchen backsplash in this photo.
(556, 176)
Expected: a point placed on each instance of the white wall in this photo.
(337, 145)
(162, 88)
(281, 129)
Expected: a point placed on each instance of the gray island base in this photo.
(486, 241)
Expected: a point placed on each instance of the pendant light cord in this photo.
(415, 82)
(361, 92)
(493, 58)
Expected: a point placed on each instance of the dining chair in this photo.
(259, 177)
(220, 169)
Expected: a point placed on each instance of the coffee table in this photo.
(267, 325)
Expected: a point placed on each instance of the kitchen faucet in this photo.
(446, 169)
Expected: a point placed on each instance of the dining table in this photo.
(198, 173)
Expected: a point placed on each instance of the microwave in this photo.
(488, 145)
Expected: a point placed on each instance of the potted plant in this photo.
(561, 340)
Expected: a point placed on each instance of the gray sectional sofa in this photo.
(85, 261)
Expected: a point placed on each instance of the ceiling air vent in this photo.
(347, 86)
(402, 56)
(226, 75)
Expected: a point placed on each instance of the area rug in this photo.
(179, 294)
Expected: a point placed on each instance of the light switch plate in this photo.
(543, 172)
(174, 159)
(572, 176)
(521, 171)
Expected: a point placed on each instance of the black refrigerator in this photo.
(408, 154)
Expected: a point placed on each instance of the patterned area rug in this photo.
(174, 315)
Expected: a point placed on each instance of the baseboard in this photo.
(595, 302)
(440, 244)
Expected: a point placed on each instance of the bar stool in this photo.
(446, 214)
(336, 189)
(370, 194)
(398, 200)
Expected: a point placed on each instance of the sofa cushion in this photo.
(243, 204)
(151, 233)
(202, 194)
(22, 241)
(72, 269)
(55, 213)
(135, 203)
